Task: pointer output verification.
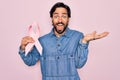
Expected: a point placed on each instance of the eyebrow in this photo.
(58, 13)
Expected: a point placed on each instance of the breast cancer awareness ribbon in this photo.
(35, 35)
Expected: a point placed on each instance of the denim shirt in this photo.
(61, 56)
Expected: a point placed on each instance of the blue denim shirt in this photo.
(61, 56)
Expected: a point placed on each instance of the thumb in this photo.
(94, 32)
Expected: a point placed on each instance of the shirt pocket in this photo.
(49, 66)
(71, 65)
(66, 65)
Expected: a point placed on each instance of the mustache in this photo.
(60, 23)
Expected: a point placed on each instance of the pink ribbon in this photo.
(35, 35)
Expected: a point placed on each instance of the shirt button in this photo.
(71, 55)
(44, 58)
(58, 57)
(58, 45)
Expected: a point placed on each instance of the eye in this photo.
(56, 16)
(64, 16)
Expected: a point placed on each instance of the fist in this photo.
(26, 40)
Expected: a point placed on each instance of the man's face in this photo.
(60, 20)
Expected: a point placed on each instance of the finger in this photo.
(30, 39)
(93, 35)
(104, 34)
(94, 32)
(27, 40)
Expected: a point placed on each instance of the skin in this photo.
(60, 21)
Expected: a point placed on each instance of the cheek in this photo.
(54, 21)
(66, 22)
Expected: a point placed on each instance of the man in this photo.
(64, 50)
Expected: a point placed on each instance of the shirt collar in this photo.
(66, 34)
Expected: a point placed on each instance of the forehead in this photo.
(60, 10)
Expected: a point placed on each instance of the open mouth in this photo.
(60, 24)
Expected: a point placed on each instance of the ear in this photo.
(68, 19)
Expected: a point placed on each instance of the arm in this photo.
(81, 54)
(82, 49)
(31, 58)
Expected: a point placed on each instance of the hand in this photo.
(25, 41)
(94, 36)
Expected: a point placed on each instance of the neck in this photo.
(57, 34)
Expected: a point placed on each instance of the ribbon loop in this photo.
(35, 35)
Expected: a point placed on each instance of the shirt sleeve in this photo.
(81, 54)
(31, 58)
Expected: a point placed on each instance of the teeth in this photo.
(60, 24)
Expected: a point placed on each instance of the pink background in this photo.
(87, 16)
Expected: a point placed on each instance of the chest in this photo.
(61, 45)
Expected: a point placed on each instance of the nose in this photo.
(60, 19)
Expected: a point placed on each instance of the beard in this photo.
(60, 24)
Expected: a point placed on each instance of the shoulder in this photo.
(44, 36)
(43, 39)
(76, 32)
